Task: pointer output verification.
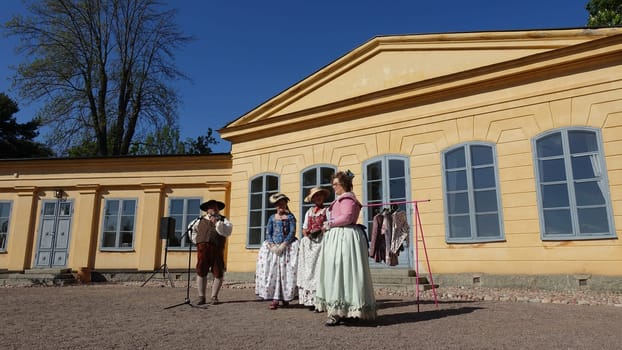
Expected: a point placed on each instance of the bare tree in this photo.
(102, 67)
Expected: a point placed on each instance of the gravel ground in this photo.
(576, 297)
(127, 316)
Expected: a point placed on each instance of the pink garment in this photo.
(344, 210)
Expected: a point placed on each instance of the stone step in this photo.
(393, 272)
(406, 287)
(399, 280)
(54, 271)
(45, 277)
(49, 276)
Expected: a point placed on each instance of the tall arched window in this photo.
(260, 208)
(471, 190)
(317, 175)
(573, 191)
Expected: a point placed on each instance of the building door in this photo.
(54, 233)
(387, 180)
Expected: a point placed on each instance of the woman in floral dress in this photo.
(277, 261)
(310, 245)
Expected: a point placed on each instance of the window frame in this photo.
(304, 189)
(4, 247)
(470, 190)
(406, 259)
(266, 209)
(183, 225)
(384, 160)
(118, 248)
(570, 182)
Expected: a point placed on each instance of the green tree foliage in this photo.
(167, 141)
(103, 69)
(16, 140)
(162, 141)
(201, 144)
(604, 13)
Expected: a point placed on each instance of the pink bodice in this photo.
(344, 210)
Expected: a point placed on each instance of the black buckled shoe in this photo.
(332, 321)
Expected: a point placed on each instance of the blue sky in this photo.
(247, 52)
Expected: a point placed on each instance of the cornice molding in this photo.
(152, 187)
(25, 191)
(115, 164)
(88, 189)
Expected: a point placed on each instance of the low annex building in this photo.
(509, 142)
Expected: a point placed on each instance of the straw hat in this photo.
(314, 191)
(277, 197)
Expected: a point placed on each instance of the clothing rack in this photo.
(418, 228)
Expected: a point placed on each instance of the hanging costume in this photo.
(377, 242)
(390, 233)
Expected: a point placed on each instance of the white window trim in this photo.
(118, 249)
(603, 184)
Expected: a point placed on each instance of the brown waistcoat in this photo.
(206, 233)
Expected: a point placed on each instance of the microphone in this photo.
(217, 216)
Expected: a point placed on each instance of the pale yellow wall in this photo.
(508, 118)
(20, 237)
(395, 68)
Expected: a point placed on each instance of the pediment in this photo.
(390, 62)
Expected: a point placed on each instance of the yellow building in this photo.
(103, 213)
(510, 143)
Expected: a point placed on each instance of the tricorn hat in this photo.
(211, 202)
(314, 191)
(277, 197)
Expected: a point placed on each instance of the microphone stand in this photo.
(164, 268)
(187, 299)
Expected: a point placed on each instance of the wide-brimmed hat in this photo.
(314, 191)
(211, 202)
(277, 197)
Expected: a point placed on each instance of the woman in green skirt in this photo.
(345, 290)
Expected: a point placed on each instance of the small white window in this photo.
(119, 224)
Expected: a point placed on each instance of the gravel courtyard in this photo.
(128, 316)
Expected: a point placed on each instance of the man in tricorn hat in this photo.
(210, 233)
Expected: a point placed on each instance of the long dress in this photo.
(308, 254)
(345, 287)
(275, 276)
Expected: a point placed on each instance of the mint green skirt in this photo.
(344, 285)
